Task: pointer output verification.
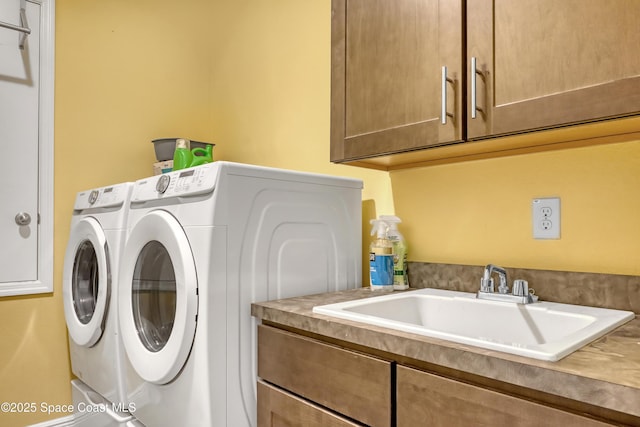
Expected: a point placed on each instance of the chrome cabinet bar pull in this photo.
(24, 29)
(443, 113)
(474, 87)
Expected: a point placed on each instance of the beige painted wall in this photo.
(253, 77)
(250, 76)
(480, 212)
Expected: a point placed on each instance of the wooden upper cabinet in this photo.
(387, 61)
(547, 63)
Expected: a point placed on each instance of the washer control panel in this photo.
(105, 197)
(183, 183)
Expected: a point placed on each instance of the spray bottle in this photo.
(400, 278)
(380, 257)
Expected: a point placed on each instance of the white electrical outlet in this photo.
(546, 218)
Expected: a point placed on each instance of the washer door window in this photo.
(153, 296)
(86, 282)
(158, 299)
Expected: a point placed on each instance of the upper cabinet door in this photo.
(388, 85)
(545, 63)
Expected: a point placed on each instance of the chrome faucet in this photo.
(486, 283)
(520, 293)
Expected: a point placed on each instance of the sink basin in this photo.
(543, 330)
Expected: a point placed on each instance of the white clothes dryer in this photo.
(89, 290)
(205, 242)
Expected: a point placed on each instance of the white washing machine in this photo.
(89, 291)
(205, 242)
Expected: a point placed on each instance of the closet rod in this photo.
(23, 20)
(15, 27)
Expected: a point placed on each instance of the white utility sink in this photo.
(542, 330)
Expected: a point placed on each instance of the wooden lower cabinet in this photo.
(277, 408)
(306, 382)
(424, 399)
(346, 382)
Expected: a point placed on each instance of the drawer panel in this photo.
(431, 400)
(278, 408)
(347, 382)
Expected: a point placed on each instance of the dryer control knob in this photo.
(93, 196)
(163, 183)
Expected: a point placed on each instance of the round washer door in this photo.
(86, 282)
(157, 298)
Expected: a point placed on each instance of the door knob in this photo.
(23, 218)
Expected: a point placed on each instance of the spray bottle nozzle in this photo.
(391, 220)
(380, 228)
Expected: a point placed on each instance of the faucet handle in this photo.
(520, 288)
(503, 288)
(486, 285)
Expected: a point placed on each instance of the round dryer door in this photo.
(158, 299)
(86, 282)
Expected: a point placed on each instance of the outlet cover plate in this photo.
(546, 218)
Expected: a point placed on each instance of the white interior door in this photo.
(19, 76)
(25, 172)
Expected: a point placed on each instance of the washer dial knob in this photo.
(163, 183)
(93, 196)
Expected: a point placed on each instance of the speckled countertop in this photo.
(605, 373)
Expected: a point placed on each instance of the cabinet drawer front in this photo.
(350, 383)
(279, 408)
(427, 399)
